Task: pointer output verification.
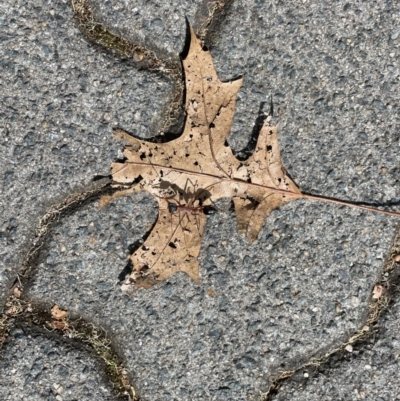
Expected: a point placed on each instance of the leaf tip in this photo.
(192, 41)
(104, 200)
(120, 134)
(127, 289)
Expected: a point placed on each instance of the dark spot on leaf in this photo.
(144, 268)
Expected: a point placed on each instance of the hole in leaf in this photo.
(143, 269)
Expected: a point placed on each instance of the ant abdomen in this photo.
(208, 210)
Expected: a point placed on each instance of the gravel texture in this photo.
(332, 69)
(301, 288)
(158, 25)
(36, 367)
(369, 373)
(60, 99)
(304, 286)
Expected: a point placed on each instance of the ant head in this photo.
(172, 207)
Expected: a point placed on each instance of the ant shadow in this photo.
(185, 194)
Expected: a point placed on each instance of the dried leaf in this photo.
(58, 313)
(378, 291)
(17, 292)
(59, 324)
(194, 170)
(348, 348)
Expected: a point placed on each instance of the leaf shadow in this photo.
(245, 153)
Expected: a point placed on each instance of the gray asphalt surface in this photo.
(369, 372)
(332, 69)
(36, 367)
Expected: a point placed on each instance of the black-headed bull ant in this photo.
(190, 198)
(174, 208)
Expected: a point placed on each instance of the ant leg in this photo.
(173, 209)
(197, 224)
(171, 222)
(190, 197)
(184, 228)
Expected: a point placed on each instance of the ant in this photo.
(193, 210)
(189, 197)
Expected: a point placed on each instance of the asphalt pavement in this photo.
(284, 307)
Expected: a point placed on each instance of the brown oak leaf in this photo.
(188, 174)
(58, 313)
